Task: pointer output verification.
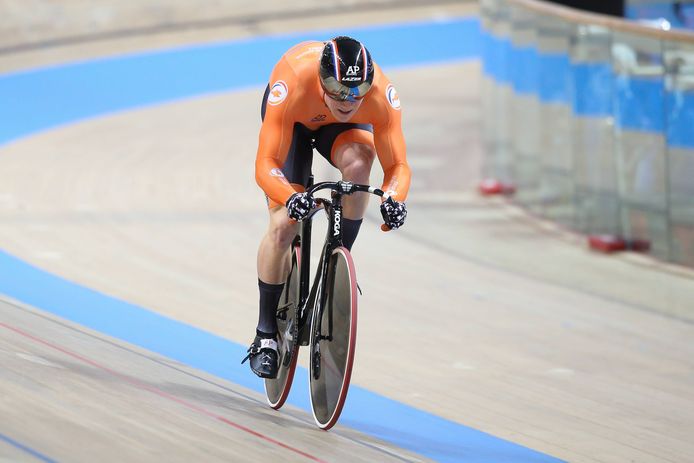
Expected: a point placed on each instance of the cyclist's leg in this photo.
(273, 252)
(273, 256)
(273, 263)
(350, 148)
(354, 160)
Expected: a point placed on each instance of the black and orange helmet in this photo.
(346, 69)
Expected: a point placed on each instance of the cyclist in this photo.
(330, 96)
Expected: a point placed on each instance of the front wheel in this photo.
(333, 339)
(277, 389)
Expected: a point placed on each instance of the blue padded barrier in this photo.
(680, 119)
(593, 89)
(592, 85)
(524, 66)
(639, 104)
(554, 85)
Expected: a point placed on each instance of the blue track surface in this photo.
(46, 98)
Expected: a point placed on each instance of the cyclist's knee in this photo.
(282, 229)
(355, 161)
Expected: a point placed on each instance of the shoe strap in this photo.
(268, 344)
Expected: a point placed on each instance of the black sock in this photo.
(269, 298)
(350, 230)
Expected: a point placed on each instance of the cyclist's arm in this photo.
(390, 148)
(273, 145)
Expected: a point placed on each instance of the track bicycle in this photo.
(323, 317)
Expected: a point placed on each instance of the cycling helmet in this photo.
(346, 69)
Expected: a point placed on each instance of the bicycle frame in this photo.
(333, 239)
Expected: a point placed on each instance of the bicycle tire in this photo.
(277, 389)
(331, 360)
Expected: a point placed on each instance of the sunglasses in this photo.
(344, 97)
(338, 92)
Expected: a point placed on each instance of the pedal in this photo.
(282, 311)
(286, 359)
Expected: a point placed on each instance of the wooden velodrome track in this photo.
(473, 312)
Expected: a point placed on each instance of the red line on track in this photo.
(161, 393)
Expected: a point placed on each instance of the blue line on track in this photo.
(35, 100)
(26, 449)
(45, 98)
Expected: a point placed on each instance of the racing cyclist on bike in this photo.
(330, 96)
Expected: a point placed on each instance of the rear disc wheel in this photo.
(277, 389)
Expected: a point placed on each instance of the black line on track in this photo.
(51, 318)
(248, 20)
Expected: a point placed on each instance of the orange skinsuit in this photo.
(296, 96)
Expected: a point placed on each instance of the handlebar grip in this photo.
(376, 191)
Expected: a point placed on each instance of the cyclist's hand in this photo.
(394, 214)
(299, 205)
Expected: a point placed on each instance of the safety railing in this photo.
(589, 119)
